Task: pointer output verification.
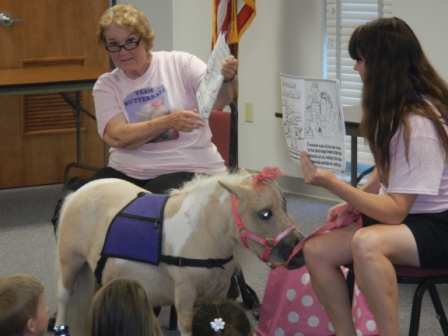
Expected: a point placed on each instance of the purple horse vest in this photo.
(135, 234)
(136, 231)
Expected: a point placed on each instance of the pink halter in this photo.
(268, 243)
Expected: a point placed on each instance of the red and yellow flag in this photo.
(232, 18)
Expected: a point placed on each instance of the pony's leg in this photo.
(69, 270)
(63, 296)
(184, 302)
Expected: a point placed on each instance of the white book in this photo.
(313, 120)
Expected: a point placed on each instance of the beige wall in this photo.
(286, 36)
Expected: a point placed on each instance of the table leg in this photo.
(354, 163)
(77, 111)
(78, 119)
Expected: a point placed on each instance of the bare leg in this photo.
(324, 254)
(375, 249)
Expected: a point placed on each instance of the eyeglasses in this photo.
(128, 46)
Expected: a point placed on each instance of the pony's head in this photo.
(259, 210)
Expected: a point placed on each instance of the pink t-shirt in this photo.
(169, 84)
(426, 173)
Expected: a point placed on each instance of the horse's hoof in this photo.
(61, 331)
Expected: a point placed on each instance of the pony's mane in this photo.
(201, 181)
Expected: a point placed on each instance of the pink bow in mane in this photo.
(268, 173)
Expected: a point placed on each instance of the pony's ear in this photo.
(234, 189)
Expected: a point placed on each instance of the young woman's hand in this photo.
(313, 175)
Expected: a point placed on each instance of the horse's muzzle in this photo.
(285, 250)
(296, 261)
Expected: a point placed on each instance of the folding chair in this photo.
(224, 127)
(426, 279)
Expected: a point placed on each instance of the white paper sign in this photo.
(212, 81)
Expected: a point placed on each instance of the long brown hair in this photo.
(398, 79)
(122, 308)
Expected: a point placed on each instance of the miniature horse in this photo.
(203, 223)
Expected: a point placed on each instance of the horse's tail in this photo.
(78, 309)
(58, 209)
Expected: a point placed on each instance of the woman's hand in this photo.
(185, 121)
(334, 212)
(229, 88)
(229, 68)
(322, 178)
(313, 175)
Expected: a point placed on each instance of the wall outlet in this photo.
(249, 112)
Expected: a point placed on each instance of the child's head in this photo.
(121, 307)
(22, 306)
(220, 316)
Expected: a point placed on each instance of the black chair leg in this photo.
(350, 284)
(417, 308)
(173, 318)
(234, 290)
(248, 295)
(248, 300)
(438, 307)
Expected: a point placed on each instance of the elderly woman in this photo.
(147, 109)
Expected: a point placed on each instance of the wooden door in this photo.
(52, 32)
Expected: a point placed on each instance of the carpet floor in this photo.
(27, 245)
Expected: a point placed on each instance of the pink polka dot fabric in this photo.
(291, 307)
(362, 315)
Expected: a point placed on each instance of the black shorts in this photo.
(430, 231)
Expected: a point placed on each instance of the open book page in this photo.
(212, 81)
(313, 120)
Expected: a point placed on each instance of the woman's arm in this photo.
(119, 134)
(372, 185)
(387, 209)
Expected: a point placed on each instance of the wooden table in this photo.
(352, 118)
(48, 79)
(55, 79)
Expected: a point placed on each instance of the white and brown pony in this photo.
(203, 224)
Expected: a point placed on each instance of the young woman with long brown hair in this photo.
(404, 204)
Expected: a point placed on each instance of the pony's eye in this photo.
(265, 214)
